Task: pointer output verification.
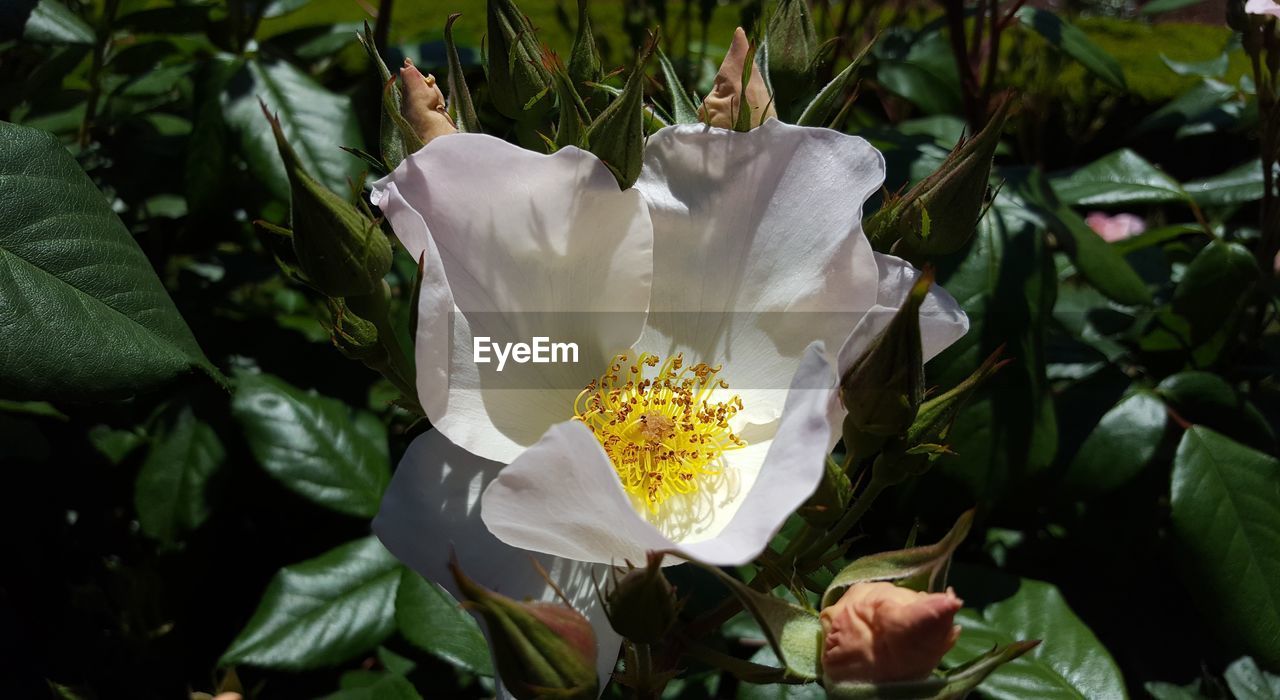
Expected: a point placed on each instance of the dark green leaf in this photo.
(919, 68)
(1169, 691)
(1206, 399)
(1226, 515)
(316, 122)
(115, 445)
(374, 685)
(316, 446)
(1236, 186)
(51, 22)
(1123, 442)
(1070, 664)
(433, 621)
(1157, 7)
(1120, 178)
(1156, 236)
(1074, 43)
(169, 493)
(1212, 287)
(322, 611)
(84, 315)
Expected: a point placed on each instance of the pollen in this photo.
(660, 424)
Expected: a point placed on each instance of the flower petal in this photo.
(433, 505)
(942, 321)
(563, 496)
(517, 245)
(758, 248)
(791, 471)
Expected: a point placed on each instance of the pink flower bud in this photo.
(1115, 228)
(423, 105)
(722, 106)
(879, 632)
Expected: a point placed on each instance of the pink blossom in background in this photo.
(1118, 227)
(1262, 7)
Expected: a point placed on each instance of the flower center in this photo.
(661, 432)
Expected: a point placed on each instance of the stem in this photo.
(397, 367)
(646, 681)
(100, 45)
(850, 518)
(968, 80)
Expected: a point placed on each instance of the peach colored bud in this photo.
(879, 632)
(423, 106)
(1115, 228)
(721, 107)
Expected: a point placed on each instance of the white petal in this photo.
(758, 248)
(942, 321)
(433, 505)
(517, 245)
(791, 470)
(563, 496)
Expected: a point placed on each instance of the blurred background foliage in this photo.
(211, 530)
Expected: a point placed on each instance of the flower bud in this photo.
(883, 389)
(926, 439)
(878, 633)
(723, 106)
(518, 83)
(584, 57)
(616, 137)
(423, 104)
(341, 251)
(540, 649)
(642, 605)
(793, 46)
(939, 215)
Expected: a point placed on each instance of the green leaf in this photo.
(316, 122)
(316, 446)
(84, 315)
(1239, 185)
(115, 445)
(1070, 40)
(373, 685)
(1226, 515)
(1206, 399)
(1099, 263)
(1213, 286)
(832, 96)
(434, 622)
(919, 67)
(682, 107)
(322, 611)
(1123, 442)
(1070, 664)
(922, 568)
(169, 493)
(1248, 682)
(51, 22)
(777, 691)
(1119, 178)
(1169, 691)
(1156, 236)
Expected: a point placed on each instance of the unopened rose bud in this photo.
(541, 650)
(423, 104)
(879, 633)
(722, 107)
(519, 85)
(642, 605)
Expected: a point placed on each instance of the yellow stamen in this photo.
(663, 432)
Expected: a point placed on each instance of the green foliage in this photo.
(431, 620)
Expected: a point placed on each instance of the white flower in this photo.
(740, 254)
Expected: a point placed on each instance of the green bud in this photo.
(356, 337)
(926, 439)
(939, 215)
(584, 57)
(571, 123)
(883, 389)
(541, 650)
(793, 48)
(617, 135)
(341, 251)
(391, 146)
(827, 504)
(519, 84)
(642, 605)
